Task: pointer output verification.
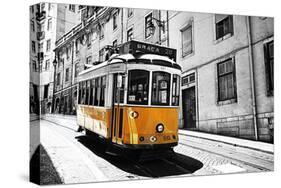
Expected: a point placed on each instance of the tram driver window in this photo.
(160, 88)
(176, 90)
(138, 87)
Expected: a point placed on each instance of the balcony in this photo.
(40, 35)
(40, 15)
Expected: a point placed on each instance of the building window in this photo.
(40, 46)
(148, 23)
(186, 37)
(89, 39)
(101, 54)
(160, 88)
(89, 60)
(138, 87)
(42, 6)
(41, 65)
(130, 12)
(58, 79)
(114, 43)
(48, 45)
(33, 47)
(101, 31)
(46, 91)
(32, 9)
(49, 6)
(42, 26)
(269, 67)
(32, 26)
(72, 8)
(66, 74)
(77, 46)
(68, 49)
(189, 79)
(49, 26)
(76, 70)
(224, 25)
(226, 80)
(115, 20)
(130, 34)
(47, 64)
(34, 67)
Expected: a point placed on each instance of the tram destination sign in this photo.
(135, 47)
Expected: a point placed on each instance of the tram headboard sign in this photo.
(135, 47)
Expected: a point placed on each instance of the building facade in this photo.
(48, 22)
(226, 60)
(227, 78)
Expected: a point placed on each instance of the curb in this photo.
(255, 145)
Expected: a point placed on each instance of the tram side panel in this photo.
(95, 119)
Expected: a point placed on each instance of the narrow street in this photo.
(79, 158)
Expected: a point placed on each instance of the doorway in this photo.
(117, 108)
(189, 108)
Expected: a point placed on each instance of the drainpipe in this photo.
(122, 26)
(159, 28)
(71, 83)
(252, 75)
(168, 42)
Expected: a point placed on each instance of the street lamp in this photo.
(54, 84)
(160, 24)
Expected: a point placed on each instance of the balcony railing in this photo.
(40, 15)
(40, 35)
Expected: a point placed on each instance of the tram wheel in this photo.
(87, 132)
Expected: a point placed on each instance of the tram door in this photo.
(118, 109)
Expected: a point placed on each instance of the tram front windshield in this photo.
(138, 88)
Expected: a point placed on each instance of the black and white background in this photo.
(15, 88)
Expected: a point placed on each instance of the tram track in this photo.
(262, 168)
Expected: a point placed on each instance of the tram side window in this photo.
(176, 90)
(160, 88)
(87, 92)
(80, 92)
(138, 87)
(92, 87)
(102, 94)
(83, 93)
(97, 91)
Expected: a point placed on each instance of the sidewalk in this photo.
(256, 145)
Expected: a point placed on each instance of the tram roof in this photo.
(141, 58)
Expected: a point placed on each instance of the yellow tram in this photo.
(132, 99)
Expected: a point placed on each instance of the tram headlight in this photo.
(160, 128)
(133, 114)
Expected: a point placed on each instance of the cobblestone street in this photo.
(78, 159)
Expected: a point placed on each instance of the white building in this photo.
(48, 22)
